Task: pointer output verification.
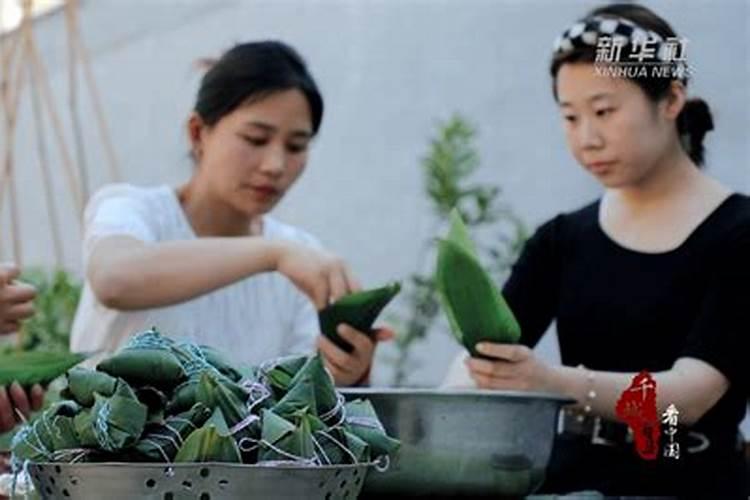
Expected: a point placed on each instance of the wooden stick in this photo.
(12, 186)
(94, 94)
(11, 97)
(46, 176)
(73, 97)
(7, 86)
(7, 46)
(41, 76)
(10, 47)
(15, 225)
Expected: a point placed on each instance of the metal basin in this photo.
(473, 443)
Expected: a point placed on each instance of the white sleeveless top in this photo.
(251, 320)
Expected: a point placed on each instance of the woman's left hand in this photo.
(511, 367)
(349, 368)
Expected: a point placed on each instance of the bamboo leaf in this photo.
(36, 367)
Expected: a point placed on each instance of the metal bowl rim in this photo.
(458, 393)
(197, 465)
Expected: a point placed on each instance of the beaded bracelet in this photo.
(590, 393)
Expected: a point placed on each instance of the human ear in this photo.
(675, 100)
(195, 130)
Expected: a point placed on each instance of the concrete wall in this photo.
(388, 69)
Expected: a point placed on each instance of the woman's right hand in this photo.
(322, 276)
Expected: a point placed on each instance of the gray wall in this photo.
(389, 69)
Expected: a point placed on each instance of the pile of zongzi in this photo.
(160, 400)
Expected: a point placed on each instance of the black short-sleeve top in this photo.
(623, 310)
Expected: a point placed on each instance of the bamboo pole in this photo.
(19, 50)
(7, 85)
(93, 92)
(5, 48)
(73, 98)
(25, 30)
(11, 92)
(47, 181)
(67, 163)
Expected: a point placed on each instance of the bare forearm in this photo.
(606, 386)
(127, 274)
(692, 394)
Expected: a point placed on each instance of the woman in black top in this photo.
(654, 276)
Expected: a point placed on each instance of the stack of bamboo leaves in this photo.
(160, 400)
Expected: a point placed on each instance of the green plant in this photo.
(448, 169)
(55, 305)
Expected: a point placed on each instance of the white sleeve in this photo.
(305, 326)
(117, 209)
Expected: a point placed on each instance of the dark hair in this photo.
(693, 122)
(251, 71)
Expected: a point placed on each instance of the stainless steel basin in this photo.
(473, 443)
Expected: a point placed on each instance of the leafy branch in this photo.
(448, 166)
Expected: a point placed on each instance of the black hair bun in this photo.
(695, 121)
(697, 117)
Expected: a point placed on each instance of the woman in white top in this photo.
(205, 261)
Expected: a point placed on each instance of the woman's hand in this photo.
(13, 399)
(322, 276)
(354, 367)
(511, 367)
(15, 299)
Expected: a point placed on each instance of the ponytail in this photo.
(693, 123)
